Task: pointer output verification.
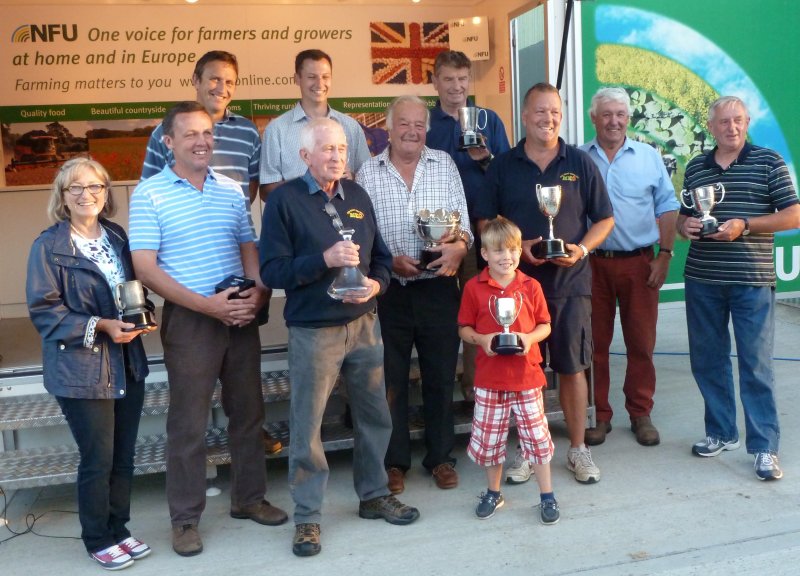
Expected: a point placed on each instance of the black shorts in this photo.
(568, 349)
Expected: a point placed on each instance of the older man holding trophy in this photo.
(730, 275)
(572, 195)
(321, 244)
(417, 191)
(472, 136)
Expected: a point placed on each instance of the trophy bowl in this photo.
(549, 198)
(435, 227)
(133, 306)
(469, 120)
(505, 310)
(703, 199)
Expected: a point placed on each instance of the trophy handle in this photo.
(492, 300)
(519, 300)
(720, 188)
(118, 295)
(539, 193)
(485, 119)
(686, 194)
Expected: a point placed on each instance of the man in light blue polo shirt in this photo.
(189, 231)
(280, 149)
(625, 268)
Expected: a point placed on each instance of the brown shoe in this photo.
(597, 435)
(186, 540)
(396, 482)
(445, 476)
(271, 444)
(646, 433)
(263, 512)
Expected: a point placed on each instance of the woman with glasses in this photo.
(94, 364)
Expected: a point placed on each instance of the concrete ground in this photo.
(656, 510)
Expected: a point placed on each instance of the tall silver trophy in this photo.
(133, 306)
(703, 199)
(469, 118)
(505, 310)
(349, 282)
(549, 198)
(434, 228)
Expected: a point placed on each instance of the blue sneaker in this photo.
(711, 446)
(488, 504)
(768, 467)
(548, 512)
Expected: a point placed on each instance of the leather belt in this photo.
(599, 252)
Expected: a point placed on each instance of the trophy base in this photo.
(140, 320)
(506, 344)
(426, 257)
(709, 227)
(350, 292)
(466, 141)
(549, 249)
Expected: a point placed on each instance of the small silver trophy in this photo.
(505, 310)
(349, 282)
(434, 227)
(133, 306)
(703, 199)
(549, 198)
(469, 118)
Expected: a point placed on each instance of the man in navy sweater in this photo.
(302, 251)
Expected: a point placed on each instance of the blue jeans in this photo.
(709, 308)
(105, 431)
(316, 357)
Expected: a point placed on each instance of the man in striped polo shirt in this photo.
(189, 231)
(731, 275)
(237, 145)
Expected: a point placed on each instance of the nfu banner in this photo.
(675, 58)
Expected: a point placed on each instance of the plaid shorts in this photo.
(487, 445)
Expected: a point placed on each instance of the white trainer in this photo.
(520, 471)
(579, 462)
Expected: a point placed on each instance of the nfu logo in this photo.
(45, 33)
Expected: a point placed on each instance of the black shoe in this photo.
(389, 508)
(548, 512)
(306, 540)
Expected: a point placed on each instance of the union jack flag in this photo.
(404, 52)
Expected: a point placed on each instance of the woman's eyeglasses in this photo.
(77, 189)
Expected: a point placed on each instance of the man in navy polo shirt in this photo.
(544, 158)
(451, 77)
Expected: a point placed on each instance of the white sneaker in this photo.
(579, 461)
(520, 471)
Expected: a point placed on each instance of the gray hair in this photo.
(610, 94)
(309, 129)
(407, 99)
(724, 102)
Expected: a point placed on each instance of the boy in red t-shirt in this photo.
(506, 383)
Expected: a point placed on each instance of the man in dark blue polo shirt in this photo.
(302, 251)
(451, 77)
(583, 222)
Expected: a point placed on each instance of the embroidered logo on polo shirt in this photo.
(569, 177)
(357, 214)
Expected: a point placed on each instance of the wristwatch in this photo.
(585, 251)
(666, 251)
(746, 231)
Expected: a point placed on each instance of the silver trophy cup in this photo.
(505, 310)
(702, 200)
(469, 118)
(349, 282)
(549, 198)
(133, 306)
(434, 228)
